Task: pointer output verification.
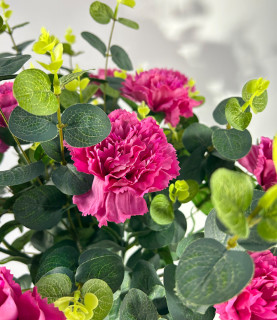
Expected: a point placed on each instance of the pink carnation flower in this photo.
(3, 146)
(133, 160)
(163, 91)
(259, 162)
(258, 301)
(7, 101)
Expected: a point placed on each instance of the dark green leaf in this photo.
(180, 224)
(89, 91)
(20, 25)
(21, 241)
(177, 310)
(184, 243)
(137, 306)
(20, 47)
(70, 181)
(69, 98)
(62, 270)
(25, 281)
(1, 22)
(213, 163)
(121, 58)
(70, 77)
(42, 240)
(6, 136)
(32, 90)
(161, 210)
(104, 295)
(235, 116)
(21, 175)
(40, 208)
(128, 23)
(9, 65)
(219, 111)
(52, 149)
(94, 41)
(30, 127)
(101, 264)
(232, 144)
(109, 90)
(87, 125)
(209, 274)
(100, 12)
(197, 135)
(7, 228)
(8, 77)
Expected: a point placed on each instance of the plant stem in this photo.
(12, 38)
(60, 128)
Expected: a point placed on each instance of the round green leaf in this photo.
(235, 116)
(40, 208)
(161, 210)
(70, 181)
(1, 22)
(185, 242)
(69, 98)
(29, 127)
(137, 306)
(86, 125)
(209, 274)
(9, 65)
(232, 144)
(94, 41)
(101, 12)
(128, 23)
(53, 149)
(104, 295)
(101, 264)
(259, 102)
(219, 111)
(54, 286)
(21, 175)
(121, 58)
(232, 194)
(197, 135)
(32, 90)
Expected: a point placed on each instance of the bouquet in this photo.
(106, 160)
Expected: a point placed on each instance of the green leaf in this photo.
(22, 174)
(209, 274)
(88, 92)
(128, 23)
(32, 90)
(161, 210)
(202, 200)
(109, 90)
(7, 228)
(54, 286)
(94, 41)
(52, 149)
(121, 58)
(1, 22)
(20, 47)
(235, 116)
(184, 243)
(232, 194)
(70, 181)
(197, 135)
(219, 111)
(177, 310)
(214, 162)
(87, 125)
(25, 281)
(193, 190)
(157, 239)
(21, 241)
(62, 254)
(101, 264)
(8, 77)
(70, 77)
(104, 295)
(29, 127)
(20, 25)
(180, 226)
(9, 65)
(40, 208)
(137, 306)
(259, 102)
(128, 3)
(232, 144)
(100, 12)
(42, 240)
(69, 98)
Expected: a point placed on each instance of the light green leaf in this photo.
(22, 174)
(29, 127)
(161, 210)
(101, 12)
(104, 295)
(260, 101)
(235, 116)
(219, 111)
(94, 41)
(121, 58)
(232, 194)
(128, 23)
(9, 65)
(128, 3)
(86, 125)
(32, 90)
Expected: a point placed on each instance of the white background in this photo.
(221, 44)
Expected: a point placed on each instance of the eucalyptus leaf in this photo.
(32, 90)
(29, 127)
(185, 242)
(88, 92)
(21, 241)
(53, 149)
(22, 174)
(7, 228)
(161, 210)
(235, 116)
(86, 125)
(121, 58)
(209, 274)
(69, 98)
(219, 111)
(70, 77)
(259, 102)
(9, 65)
(40, 208)
(129, 23)
(25, 281)
(196, 135)
(94, 41)
(232, 144)
(70, 181)
(20, 47)
(101, 12)
(104, 295)
(20, 25)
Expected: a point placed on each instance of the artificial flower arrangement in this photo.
(99, 187)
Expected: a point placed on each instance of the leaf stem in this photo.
(60, 128)
(13, 41)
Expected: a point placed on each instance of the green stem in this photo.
(60, 128)
(13, 41)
